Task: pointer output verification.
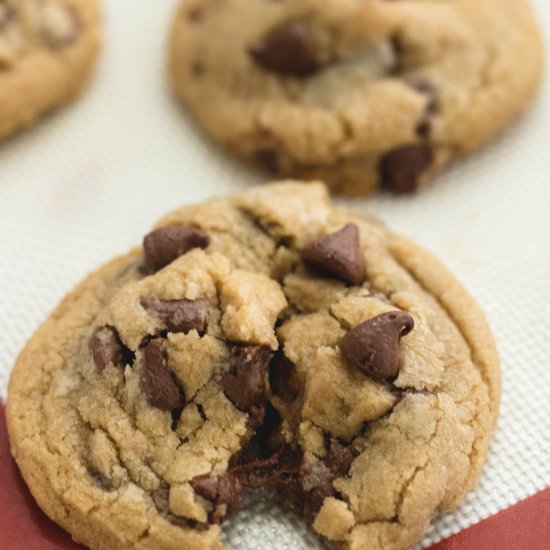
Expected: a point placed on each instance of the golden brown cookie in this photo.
(47, 51)
(265, 338)
(355, 93)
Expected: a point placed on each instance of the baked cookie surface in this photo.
(47, 51)
(265, 338)
(355, 93)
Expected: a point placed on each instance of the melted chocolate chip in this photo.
(402, 168)
(339, 459)
(287, 50)
(245, 386)
(162, 246)
(281, 469)
(373, 346)
(223, 492)
(161, 498)
(157, 382)
(179, 315)
(206, 487)
(338, 254)
(106, 348)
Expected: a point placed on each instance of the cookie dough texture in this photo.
(355, 93)
(129, 409)
(47, 51)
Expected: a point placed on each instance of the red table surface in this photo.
(23, 526)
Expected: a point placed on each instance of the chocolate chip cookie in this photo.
(264, 339)
(356, 93)
(47, 51)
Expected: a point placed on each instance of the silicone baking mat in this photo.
(88, 182)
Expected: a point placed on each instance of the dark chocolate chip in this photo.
(402, 168)
(339, 459)
(106, 348)
(373, 346)
(245, 386)
(157, 382)
(338, 254)
(223, 492)
(162, 246)
(179, 315)
(287, 49)
(161, 498)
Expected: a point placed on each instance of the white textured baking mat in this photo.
(89, 182)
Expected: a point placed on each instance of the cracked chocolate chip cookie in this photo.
(47, 51)
(263, 339)
(358, 93)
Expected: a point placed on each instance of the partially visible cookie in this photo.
(261, 339)
(356, 93)
(47, 51)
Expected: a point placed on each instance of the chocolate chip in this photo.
(245, 386)
(161, 498)
(106, 348)
(223, 492)
(206, 487)
(338, 254)
(281, 469)
(179, 315)
(162, 246)
(402, 168)
(373, 346)
(157, 382)
(287, 49)
(339, 459)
